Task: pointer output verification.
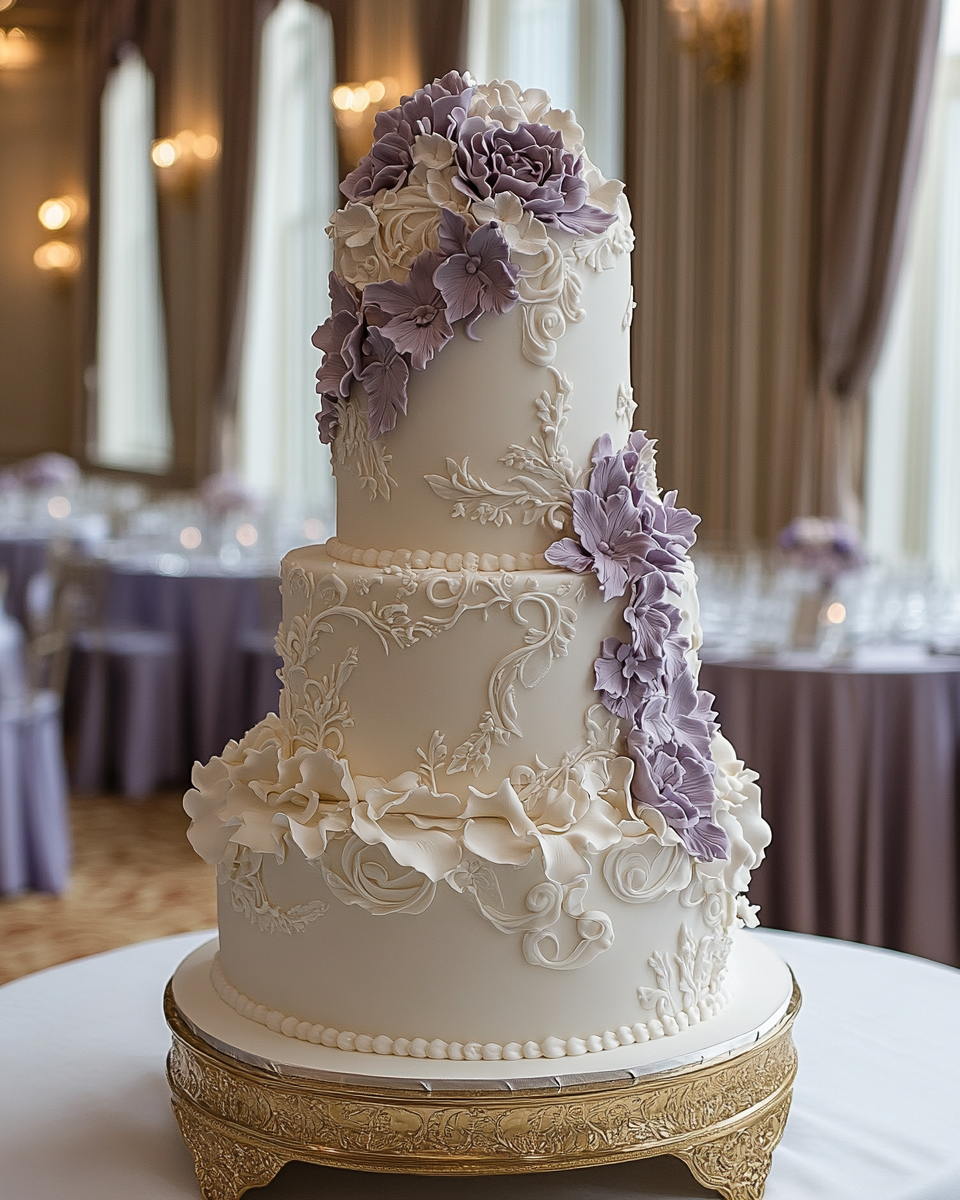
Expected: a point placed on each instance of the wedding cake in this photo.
(495, 818)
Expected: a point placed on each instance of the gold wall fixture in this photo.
(180, 159)
(16, 49)
(61, 258)
(61, 211)
(356, 106)
(719, 32)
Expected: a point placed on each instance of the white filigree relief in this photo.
(541, 490)
(312, 711)
(525, 667)
(366, 875)
(541, 948)
(690, 982)
(626, 405)
(643, 870)
(550, 290)
(243, 880)
(352, 447)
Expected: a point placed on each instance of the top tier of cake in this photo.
(495, 258)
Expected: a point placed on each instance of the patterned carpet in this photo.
(135, 877)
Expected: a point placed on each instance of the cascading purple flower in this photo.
(477, 275)
(340, 338)
(632, 538)
(612, 541)
(437, 108)
(529, 161)
(384, 378)
(652, 622)
(418, 324)
(677, 782)
(623, 678)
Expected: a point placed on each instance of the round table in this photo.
(859, 764)
(85, 1112)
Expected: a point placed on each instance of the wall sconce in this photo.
(61, 257)
(720, 31)
(60, 211)
(179, 158)
(356, 106)
(16, 49)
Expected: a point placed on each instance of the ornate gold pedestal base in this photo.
(242, 1123)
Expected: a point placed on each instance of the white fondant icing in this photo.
(698, 986)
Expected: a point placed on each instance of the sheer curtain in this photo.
(133, 415)
(913, 437)
(295, 190)
(573, 49)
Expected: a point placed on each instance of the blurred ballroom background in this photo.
(167, 172)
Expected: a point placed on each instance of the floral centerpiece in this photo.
(822, 545)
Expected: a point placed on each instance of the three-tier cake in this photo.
(495, 818)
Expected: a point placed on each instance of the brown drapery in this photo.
(103, 28)
(875, 61)
(874, 64)
(443, 29)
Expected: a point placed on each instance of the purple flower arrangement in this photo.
(434, 150)
(822, 545)
(636, 543)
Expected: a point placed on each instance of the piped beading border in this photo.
(422, 560)
(549, 1047)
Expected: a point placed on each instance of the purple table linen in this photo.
(860, 787)
(35, 844)
(211, 616)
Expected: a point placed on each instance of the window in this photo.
(913, 442)
(573, 49)
(295, 190)
(133, 418)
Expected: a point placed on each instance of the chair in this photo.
(34, 817)
(125, 681)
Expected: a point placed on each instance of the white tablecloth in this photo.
(85, 1114)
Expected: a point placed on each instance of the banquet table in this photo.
(858, 764)
(223, 625)
(85, 1112)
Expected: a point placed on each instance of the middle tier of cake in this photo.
(463, 674)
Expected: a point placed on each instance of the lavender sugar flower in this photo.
(437, 108)
(529, 161)
(384, 378)
(477, 276)
(419, 323)
(633, 539)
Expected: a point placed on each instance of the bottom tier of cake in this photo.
(760, 987)
(470, 976)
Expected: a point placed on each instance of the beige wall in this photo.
(39, 158)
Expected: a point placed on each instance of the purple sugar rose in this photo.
(529, 161)
(477, 275)
(622, 677)
(418, 324)
(437, 108)
(384, 378)
(612, 541)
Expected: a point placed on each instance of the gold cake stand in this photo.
(242, 1123)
